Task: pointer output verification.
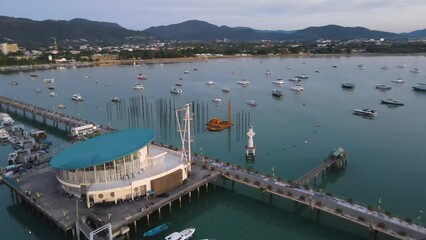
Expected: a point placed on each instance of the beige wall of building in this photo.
(9, 48)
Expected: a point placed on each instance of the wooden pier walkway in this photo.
(374, 220)
(56, 117)
(336, 159)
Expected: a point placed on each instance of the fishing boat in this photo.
(115, 99)
(77, 97)
(347, 85)
(383, 87)
(277, 93)
(420, 88)
(365, 112)
(176, 90)
(141, 76)
(252, 103)
(138, 86)
(183, 235)
(156, 230)
(392, 102)
(226, 90)
(210, 83)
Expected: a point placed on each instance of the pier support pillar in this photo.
(180, 202)
(170, 207)
(198, 191)
(159, 213)
(270, 198)
(318, 214)
(233, 183)
(147, 219)
(190, 196)
(207, 187)
(134, 224)
(373, 233)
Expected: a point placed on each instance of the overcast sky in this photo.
(385, 15)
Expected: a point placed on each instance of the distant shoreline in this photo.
(27, 68)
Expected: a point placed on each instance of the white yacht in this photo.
(48, 80)
(61, 106)
(243, 83)
(115, 99)
(252, 103)
(226, 90)
(77, 97)
(210, 83)
(183, 235)
(53, 94)
(6, 119)
(4, 135)
(297, 88)
(279, 81)
(398, 80)
(216, 100)
(365, 112)
(138, 86)
(176, 90)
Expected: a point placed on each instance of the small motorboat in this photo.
(421, 84)
(365, 112)
(210, 83)
(77, 97)
(141, 76)
(12, 158)
(4, 134)
(398, 80)
(243, 83)
(34, 76)
(138, 86)
(156, 230)
(115, 99)
(53, 94)
(175, 90)
(420, 88)
(186, 72)
(392, 102)
(361, 66)
(38, 90)
(295, 79)
(383, 87)
(277, 93)
(61, 106)
(252, 103)
(226, 90)
(385, 68)
(297, 88)
(401, 66)
(51, 87)
(48, 80)
(347, 85)
(302, 76)
(13, 83)
(279, 81)
(179, 84)
(415, 70)
(183, 235)
(216, 100)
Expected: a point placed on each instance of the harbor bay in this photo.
(293, 134)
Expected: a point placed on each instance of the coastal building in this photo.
(119, 166)
(8, 48)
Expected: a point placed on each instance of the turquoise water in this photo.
(386, 154)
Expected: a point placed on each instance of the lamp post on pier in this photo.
(419, 218)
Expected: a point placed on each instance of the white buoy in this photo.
(306, 141)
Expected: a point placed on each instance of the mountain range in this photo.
(76, 31)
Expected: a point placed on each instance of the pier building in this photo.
(119, 166)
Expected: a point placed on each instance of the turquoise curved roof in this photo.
(102, 149)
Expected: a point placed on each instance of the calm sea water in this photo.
(293, 134)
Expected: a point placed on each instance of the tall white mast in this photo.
(184, 129)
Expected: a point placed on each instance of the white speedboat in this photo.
(186, 72)
(6, 119)
(53, 94)
(295, 79)
(179, 84)
(216, 100)
(183, 235)
(252, 103)
(48, 80)
(61, 106)
(77, 97)
(38, 90)
(365, 112)
(243, 83)
(297, 88)
(210, 83)
(138, 86)
(415, 70)
(115, 99)
(398, 80)
(278, 82)
(13, 83)
(302, 76)
(176, 90)
(402, 66)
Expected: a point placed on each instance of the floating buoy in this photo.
(306, 141)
